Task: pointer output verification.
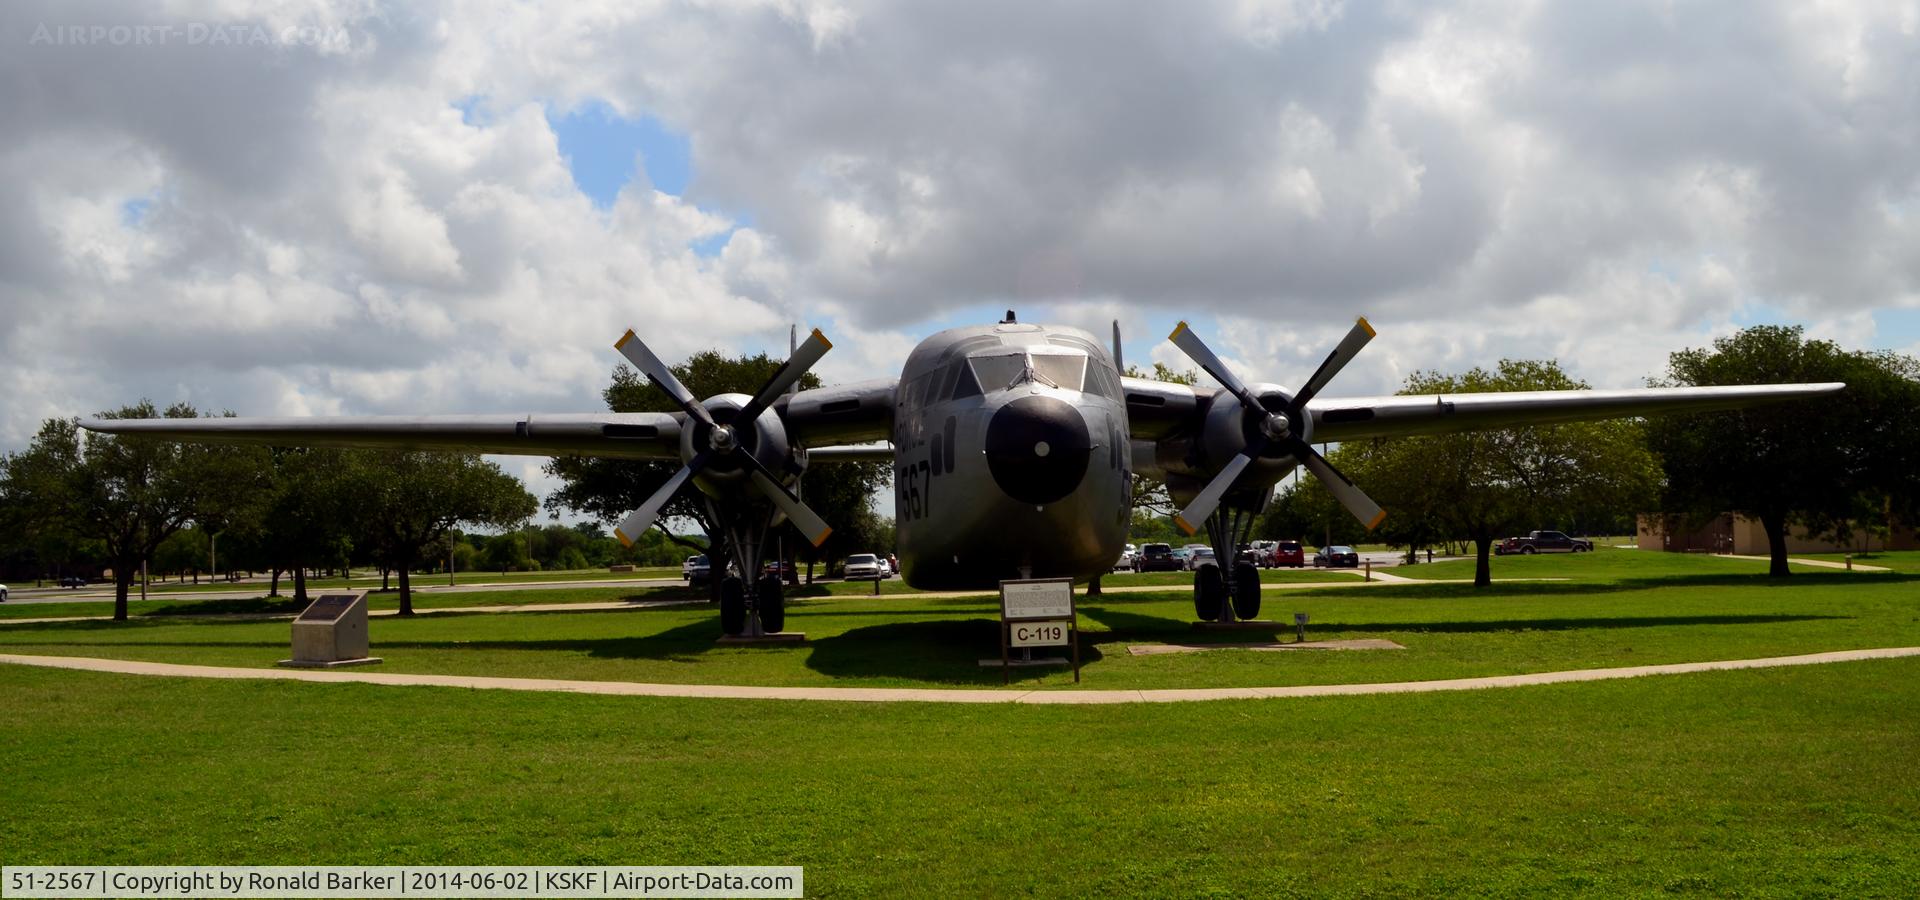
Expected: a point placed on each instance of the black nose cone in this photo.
(1037, 449)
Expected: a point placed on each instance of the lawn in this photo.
(1617, 608)
(1785, 783)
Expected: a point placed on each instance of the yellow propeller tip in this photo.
(624, 540)
(1377, 520)
(822, 338)
(1184, 525)
(823, 537)
(622, 342)
(1368, 326)
(1177, 329)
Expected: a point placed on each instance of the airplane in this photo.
(1013, 447)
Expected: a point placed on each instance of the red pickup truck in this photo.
(1543, 542)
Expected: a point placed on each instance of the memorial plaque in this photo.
(331, 631)
(328, 608)
(1050, 598)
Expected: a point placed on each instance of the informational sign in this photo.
(1037, 613)
(1039, 634)
(329, 607)
(1050, 598)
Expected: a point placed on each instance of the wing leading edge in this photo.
(615, 435)
(1399, 416)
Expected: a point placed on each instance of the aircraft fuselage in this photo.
(1012, 457)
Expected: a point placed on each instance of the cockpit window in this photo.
(997, 373)
(1064, 372)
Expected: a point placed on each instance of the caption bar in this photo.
(402, 881)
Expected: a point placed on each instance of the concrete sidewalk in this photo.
(933, 695)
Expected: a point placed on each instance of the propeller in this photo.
(1276, 429)
(723, 442)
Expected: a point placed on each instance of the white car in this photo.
(686, 568)
(1200, 556)
(865, 567)
(3, 593)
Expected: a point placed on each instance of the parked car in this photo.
(1543, 542)
(864, 567)
(1287, 553)
(1180, 556)
(886, 566)
(1156, 558)
(73, 581)
(779, 567)
(893, 563)
(1200, 556)
(1260, 553)
(1125, 562)
(698, 570)
(1338, 556)
(3, 593)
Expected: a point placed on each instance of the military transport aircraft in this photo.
(1013, 448)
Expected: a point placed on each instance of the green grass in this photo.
(372, 579)
(1905, 561)
(1620, 608)
(1775, 783)
(1604, 564)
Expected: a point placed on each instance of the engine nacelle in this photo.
(765, 439)
(1229, 427)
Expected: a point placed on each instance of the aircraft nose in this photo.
(1037, 449)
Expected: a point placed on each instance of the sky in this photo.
(318, 208)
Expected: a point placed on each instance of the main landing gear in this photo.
(757, 607)
(1229, 591)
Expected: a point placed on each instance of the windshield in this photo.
(997, 373)
(859, 558)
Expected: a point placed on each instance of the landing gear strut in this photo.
(1218, 597)
(751, 604)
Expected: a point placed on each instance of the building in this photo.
(1735, 533)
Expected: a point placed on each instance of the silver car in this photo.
(3, 593)
(865, 567)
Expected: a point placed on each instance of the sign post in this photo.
(1037, 612)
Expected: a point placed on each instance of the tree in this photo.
(1821, 464)
(132, 493)
(307, 515)
(1482, 485)
(408, 501)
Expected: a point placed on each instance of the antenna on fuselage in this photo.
(1010, 319)
(1118, 366)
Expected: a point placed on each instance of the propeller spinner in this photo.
(723, 441)
(1276, 430)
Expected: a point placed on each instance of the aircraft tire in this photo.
(733, 605)
(1209, 593)
(771, 604)
(1246, 591)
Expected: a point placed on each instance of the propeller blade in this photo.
(797, 365)
(1344, 490)
(1117, 364)
(811, 525)
(1197, 350)
(638, 521)
(1344, 353)
(636, 352)
(1208, 499)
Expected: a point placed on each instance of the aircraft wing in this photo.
(823, 418)
(1336, 420)
(617, 435)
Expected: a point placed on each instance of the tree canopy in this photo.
(1826, 464)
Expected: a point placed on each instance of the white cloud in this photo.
(322, 232)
